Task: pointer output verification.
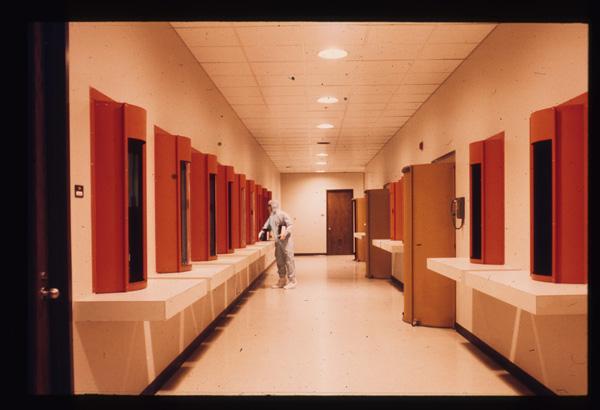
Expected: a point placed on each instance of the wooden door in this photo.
(49, 351)
(379, 261)
(360, 225)
(339, 222)
(429, 298)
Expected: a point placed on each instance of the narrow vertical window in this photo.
(212, 215)
(184, 205)
(476, 210)
(135, 194)
(542, 207)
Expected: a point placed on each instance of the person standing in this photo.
(280, 224)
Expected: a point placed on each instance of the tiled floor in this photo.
(337, 333)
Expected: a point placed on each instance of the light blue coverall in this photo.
(284, 249)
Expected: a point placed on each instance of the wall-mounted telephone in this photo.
(457, 209)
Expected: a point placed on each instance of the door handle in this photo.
(329, 228)
(51, 293)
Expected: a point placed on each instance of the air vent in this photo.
(323, 142)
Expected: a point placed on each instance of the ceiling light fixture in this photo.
(332, 53)
(320, 170)
(327, 100)
(322, 154)
(321, 163)
(325, 125)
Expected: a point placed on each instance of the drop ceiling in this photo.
(271, 75)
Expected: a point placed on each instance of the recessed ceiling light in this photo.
(325, 125)
(320, 170)
(332, 53)
(327, 100)
(321, 163)
(322, 154)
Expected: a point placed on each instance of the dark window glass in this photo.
(184, 205)
(542, 207)
(476, 211)
(212, 215)
(135, 194)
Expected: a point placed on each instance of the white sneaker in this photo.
(290, 285)
(280, 284)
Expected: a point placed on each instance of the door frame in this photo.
(49, 344)
(327, 217)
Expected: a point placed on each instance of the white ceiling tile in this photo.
(285, 99)
(281, 80)
(270, 35)
(387, 52)
(365, 107)
(398, 113)
(382, 131)
(383, 67)
(201, 24)
(275, 53)
(339, 67)
(317, 107)
(460, 33)
(327, 35)
(391, 121)
(403, 106)
(278, 91)
(378, 79)
(334, 91)
(434, 66)
(354, 132)
(240, 92)
(447, 51)
(368, 98)
(416, 98)
(328, 79)
(287, 69)
(243, 100)
(287, 108)
(223, 81)
(227, 68)
(350, 115)
(218, 54)
(244, 111)
(425, 78)
(399, 34)
(373, 89)
(416, 89)
(208, 36)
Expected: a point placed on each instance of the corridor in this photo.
(337, 333)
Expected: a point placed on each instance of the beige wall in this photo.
(148, 65)
(517, 69)
(303, 197)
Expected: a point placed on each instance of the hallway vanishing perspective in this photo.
(337, 333)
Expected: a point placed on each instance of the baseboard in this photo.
(172, 368)
(308, 254)
(530, 382)
(399, 285)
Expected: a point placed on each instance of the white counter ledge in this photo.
(389, 245)
(239, 262)
(516, 287)
(160, 300)
(215, 274)
(455, 268)
(251, 253)
(359, 235)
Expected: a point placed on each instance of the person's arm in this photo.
(266, 228)
(287, 226)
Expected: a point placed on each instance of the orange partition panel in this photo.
(221, 207)
(118, 170)
(486, 181)
(231, 228)
(199, 207)
(250, 212)
(258, 209)
(212, 168)
(392, 198)
(559, 192)
(242, 211)
(172, 157)
(235, 212)
(265, 201)
(399, 209)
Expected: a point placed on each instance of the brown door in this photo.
(339, 222)
(49, 367)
